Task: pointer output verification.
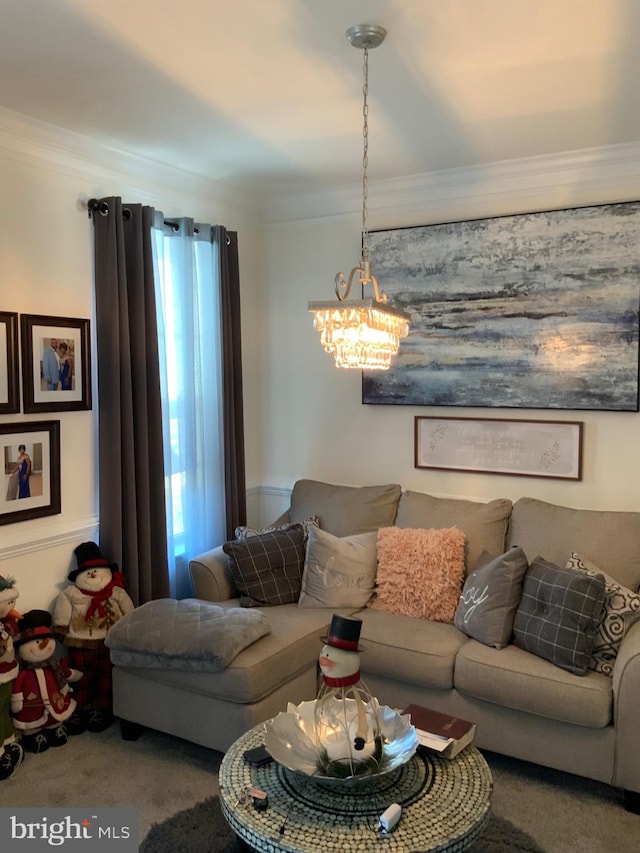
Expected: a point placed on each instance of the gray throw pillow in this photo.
(338, 571)
(559, 614)
(490, 598)
(267, 568)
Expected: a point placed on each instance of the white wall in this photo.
(314, 422)
(46, 267)
(303, 418)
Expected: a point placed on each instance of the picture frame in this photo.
(524, 448)
(56, 363)
(30, 454)
(9, 367)
(532, 310)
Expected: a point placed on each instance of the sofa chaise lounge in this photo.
(524, 705)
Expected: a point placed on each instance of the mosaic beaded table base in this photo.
(445, 805)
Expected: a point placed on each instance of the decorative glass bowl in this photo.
(290, 739)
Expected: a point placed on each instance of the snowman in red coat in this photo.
(41, 698)
(11, 753)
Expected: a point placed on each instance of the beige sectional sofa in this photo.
(524, 705)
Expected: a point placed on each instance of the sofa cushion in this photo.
(558, 615)
(338, 571)
(420, 572)
(405, 649)
(490, 598)
(610, 539)
(267, 569)
(345, 510)
(621, 610)
(514, 678)
(484, 524)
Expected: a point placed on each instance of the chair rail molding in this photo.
(46, 536)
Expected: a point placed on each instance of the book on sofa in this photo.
(443, 733)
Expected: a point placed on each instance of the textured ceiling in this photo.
(266, 94)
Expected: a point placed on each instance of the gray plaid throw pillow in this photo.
(267, 569)
(559, 614)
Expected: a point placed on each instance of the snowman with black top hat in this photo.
(85, 610)
(41, 699)
(347, 723)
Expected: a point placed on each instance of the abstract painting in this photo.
(537, 310)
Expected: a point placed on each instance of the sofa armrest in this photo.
(626, 699)
(210, 576)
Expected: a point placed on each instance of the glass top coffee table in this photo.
(445, 805)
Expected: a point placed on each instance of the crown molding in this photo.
(587, 176)
(32, 141)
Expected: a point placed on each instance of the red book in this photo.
(443, 733)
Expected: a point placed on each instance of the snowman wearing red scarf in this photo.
(84, 612)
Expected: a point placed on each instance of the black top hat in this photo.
(344, 633)
(34, 625)
(89, 556)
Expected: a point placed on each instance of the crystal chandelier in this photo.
(362, 333)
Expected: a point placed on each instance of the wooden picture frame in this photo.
(528, 311)
(56, 364)
(30, 454)
(9, 369)
(524, 448)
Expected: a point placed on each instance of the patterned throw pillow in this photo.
(244, 532)
(490, 598)
(559, 614)
(420, 572)
(267, 569)
(621, 610)
(338, 571)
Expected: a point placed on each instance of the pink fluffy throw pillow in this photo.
(420, 572)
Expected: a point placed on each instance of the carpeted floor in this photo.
(163, 776)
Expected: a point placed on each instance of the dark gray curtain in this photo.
(235, 484)
(131, 470)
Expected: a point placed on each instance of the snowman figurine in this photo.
(11, 753)
(41, 699)
(84, 612)
(347, 723)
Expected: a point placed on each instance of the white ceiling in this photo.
(267, 94)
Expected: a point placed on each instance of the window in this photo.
(189, 331)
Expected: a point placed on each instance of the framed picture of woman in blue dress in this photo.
(30, 459)
(56, 364)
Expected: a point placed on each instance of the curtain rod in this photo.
(101, 207)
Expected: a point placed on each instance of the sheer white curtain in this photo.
(189, 330)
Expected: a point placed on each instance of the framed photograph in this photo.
(536, 310)
(30, 454)
(56, 364)
(9, 370)
(500, 446)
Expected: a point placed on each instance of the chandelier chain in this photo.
(365, 154)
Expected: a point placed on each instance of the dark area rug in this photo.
(203, 829)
